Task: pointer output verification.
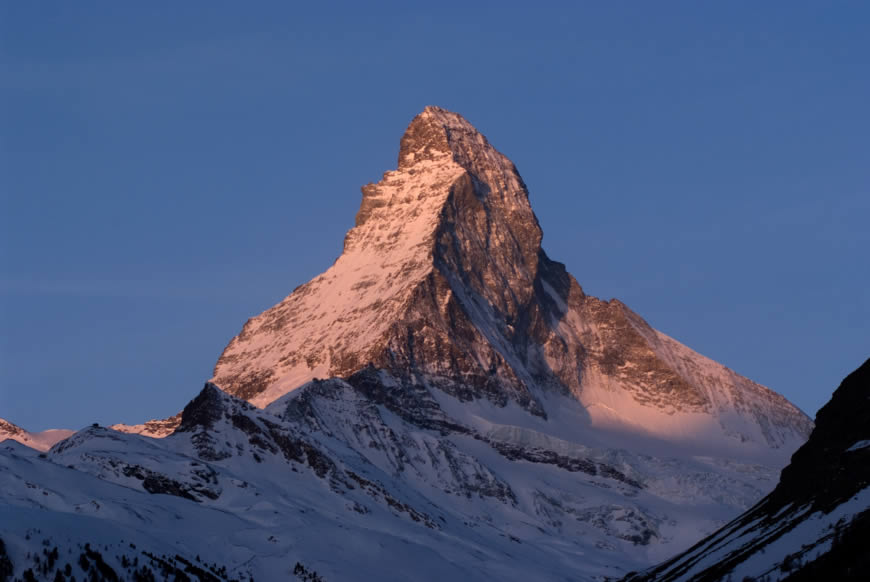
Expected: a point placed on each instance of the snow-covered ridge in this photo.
(41, 441)
(375, 471)
(859, 445)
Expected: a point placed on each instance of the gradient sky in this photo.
(169, 169)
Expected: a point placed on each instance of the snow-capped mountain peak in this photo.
(443, 283)
(445, 400)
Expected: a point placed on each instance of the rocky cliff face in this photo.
(443, 283)
(814, 524)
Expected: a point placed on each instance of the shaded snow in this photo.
(859, 445)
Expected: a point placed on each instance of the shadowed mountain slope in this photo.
(814, 524)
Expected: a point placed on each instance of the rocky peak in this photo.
(443, 284)
(209, 406)
(449, 171)
(480, 227)
(427, 136)
(437, 132)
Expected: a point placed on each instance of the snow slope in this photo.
(399, 490)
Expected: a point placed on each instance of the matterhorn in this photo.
(445, 401)
(443, 287)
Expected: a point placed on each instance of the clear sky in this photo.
(169, 169)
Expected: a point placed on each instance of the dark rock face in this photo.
(825, 478)
(203, 411)
(826, 471)
(6, 566)
(203, 485)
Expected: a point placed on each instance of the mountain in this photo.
(444, 401)
(336, 468)
(815, 524)
(40, 441)
(443, 285)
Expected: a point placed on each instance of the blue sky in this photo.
(168, 170)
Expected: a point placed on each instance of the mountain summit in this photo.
(443, 284)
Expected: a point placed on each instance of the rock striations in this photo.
(443, 284)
